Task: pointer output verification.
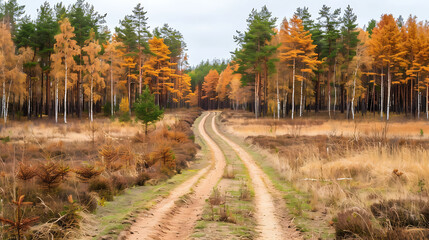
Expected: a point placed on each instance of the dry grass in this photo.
(244, 124)
(350, 167)
(89, 163)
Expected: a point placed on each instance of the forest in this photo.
(327, 63)
(314, 128)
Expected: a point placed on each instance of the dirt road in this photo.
(271, 222)
(174, 217)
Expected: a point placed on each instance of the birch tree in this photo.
(93, 67)
(66, 48)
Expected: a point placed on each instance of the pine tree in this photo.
(46, 29)
(329, 21)
(146, 110)
(139, 21)
(348, 45)
(253, 56)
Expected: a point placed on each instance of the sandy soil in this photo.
(271, 223)
(175, 216)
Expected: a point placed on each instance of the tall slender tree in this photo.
(253, 56)
(66, 47)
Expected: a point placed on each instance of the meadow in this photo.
(54, 177)
(360, 179)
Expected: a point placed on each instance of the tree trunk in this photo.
(354, 91)
(293, 88)
(300, 100)
(389, 83)
(278, 99)
(65, 91)
(56, 100)
(335, 85)
(91, 101)
(382, 93)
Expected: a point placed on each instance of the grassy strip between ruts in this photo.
(228, 212)
(297, 202)
(119, 214)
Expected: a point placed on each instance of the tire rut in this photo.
(174, 217)
(271, 223)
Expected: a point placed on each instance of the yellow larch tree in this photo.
(209, 87)
(114, 56)
(93, 67)
(297, 51)
(158, 71)
(12, 77)
(385, 47)
(222, 87)
(66, 48)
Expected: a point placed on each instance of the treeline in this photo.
(328, 64)
(66, 61)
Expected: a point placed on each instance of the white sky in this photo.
(208, 26)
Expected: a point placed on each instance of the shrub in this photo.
(119, 182)
(402, 213)
(87, 172)
(103, 187)
(88, 201)
(107, 109)
(70, 215)
(142, 178)
(51, 174)
(25, 172)
(353, 222)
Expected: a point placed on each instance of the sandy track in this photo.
(271, 222)
(168, 220)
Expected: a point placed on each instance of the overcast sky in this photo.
(208, 26)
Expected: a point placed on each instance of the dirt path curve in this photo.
(271, 223)
(168, 220)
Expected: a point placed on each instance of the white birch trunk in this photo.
(56, 100)
(300, 100)
(111, 87)
(382, 93)
(65, 90)
(418, 96)
(278, 99)
(293, 88)
(389, 82)
(92, 99)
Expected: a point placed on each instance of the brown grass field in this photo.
(371, 177)
(65, 172)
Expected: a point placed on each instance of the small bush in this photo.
(245, 194)
(353, 222)
(124, 117)
(103, 187)
(107, 109)
(225, 215)
(142, 178)
(119, 182)
(216, 198)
